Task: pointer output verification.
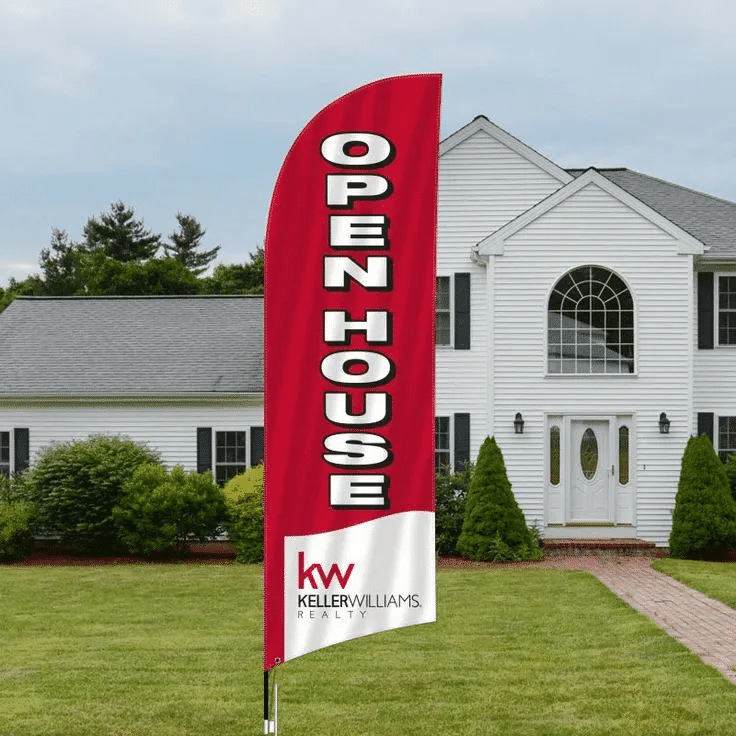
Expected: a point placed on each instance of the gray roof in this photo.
(131, 346)
(709, 219)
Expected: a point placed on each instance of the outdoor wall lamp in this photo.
(518, 423)
(664, 424)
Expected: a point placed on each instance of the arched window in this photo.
(590, 321)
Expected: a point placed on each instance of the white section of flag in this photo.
(391, 584)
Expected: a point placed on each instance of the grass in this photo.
(176, 649)
(715, 579)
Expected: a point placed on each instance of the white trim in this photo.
(450, 439)
(564, 488)
(451, 291)
(717, 311)
(493, 244)
(215, 430)
(23, 400)
(545, 326)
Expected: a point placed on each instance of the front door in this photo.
(591, 479)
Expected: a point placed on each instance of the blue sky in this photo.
(191, 105)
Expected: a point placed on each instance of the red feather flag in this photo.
(349, 390)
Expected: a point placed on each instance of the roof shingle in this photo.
(709, 219)
(131, 346)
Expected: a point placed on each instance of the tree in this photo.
(186, 241)
(61, 265)
(31, 286)
(494, 526)
(105, 276)
(120, 236)
(704, 518)
(246, 278)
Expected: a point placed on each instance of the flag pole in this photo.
(269, 726)
(266, 722)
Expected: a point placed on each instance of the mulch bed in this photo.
(211, 553)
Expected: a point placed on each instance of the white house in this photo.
(598, 307)
(585, 318)
(184, 374)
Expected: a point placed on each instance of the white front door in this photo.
(591, 477)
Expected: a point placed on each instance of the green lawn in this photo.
(715, 579)
(153, 650)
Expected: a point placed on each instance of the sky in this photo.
(191, 105)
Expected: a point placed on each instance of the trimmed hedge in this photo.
(494, 527)
(159, 511)
(244, 522)
(76, 485)
(15, 529)
(704, 519)
(450, 495)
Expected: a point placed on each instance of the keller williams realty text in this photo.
(366, 600)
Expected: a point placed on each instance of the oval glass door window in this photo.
(589, 453)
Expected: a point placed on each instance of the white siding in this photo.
(593, 228)
(482, 185)
(171, 428)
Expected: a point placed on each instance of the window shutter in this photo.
(256, 445)
(705, 310)
(705, 424)
(462, 441)
(21, 456)
(204, 449)
(462, 311)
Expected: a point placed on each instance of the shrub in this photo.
(75, 486)
(244, 524)
(494, 524)
(450, 493)
(704, 519)
(159, 511)
(15, 529)
(731, 473)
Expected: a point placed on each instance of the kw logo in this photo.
(326, 579)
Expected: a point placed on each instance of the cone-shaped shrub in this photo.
(704, 519)
(493, 519)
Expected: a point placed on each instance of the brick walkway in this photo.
(704, 625)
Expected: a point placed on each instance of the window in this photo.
(590, 323)
(441, 444)
(727, 310)
(229, 455)
(442, 318)
(623, 455)
(726, 437)
(5, 454)
(554, 455)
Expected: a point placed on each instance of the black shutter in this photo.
(256, 445)
(462, 441)
(705, 310)
(204, 449)
(21, 456)
(462, 311)
(705, 424)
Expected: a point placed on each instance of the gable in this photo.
(487, 177)
(592, 201)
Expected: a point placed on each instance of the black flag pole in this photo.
(265, 702)
(269, 726)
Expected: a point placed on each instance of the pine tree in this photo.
(704, 519)
(186, 241)
(492, 516)
(120, 236)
